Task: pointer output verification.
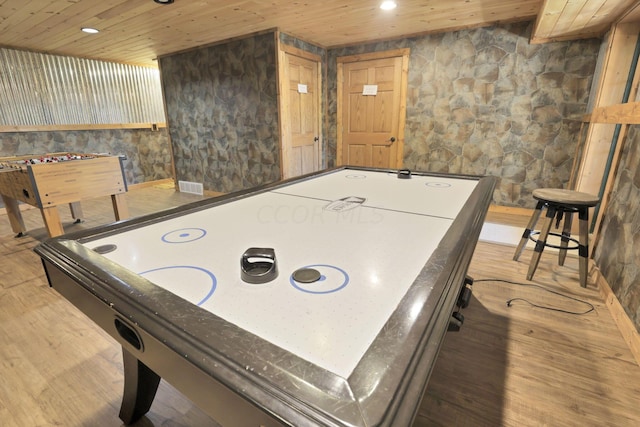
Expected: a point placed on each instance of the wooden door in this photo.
(300, 113)
(372, 107)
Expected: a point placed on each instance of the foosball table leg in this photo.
(15, 217)
(52, 221)
(76, 212)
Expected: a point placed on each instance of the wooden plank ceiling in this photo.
(139, 31)
(571, 19)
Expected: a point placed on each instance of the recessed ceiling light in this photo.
(163, 1)
(388, 5)
(90, 30)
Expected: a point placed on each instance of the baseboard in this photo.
(624, 323)
(209, 193)
(166, 181)
(170, 182)
(511, 210)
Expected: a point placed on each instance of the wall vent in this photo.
(191, 187)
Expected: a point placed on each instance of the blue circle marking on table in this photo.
(438, 184)
(207, 289)
(326, 288)
(184, 235)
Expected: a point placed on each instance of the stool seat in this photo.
(565, 197)
(559, 203)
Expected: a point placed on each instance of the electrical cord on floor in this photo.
(509, 302)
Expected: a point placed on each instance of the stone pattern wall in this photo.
(485, 101)
(148, 153)
(222, 113)
(618, 250)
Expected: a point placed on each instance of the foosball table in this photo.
(55, 179)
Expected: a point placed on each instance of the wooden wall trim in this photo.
(510, 210)
(592, 169)
(166, 181)
(284, 125)
(628, 114)
(631, 15)
(374, 55)
(299, 52)
(170, 182)
(623, 322)
(57, 128)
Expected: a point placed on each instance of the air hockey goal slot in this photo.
(258, 265)
(129, 334)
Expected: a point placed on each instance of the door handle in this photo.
(390, 141)
(316, 139)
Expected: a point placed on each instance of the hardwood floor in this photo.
(515, 365)
(520, 365)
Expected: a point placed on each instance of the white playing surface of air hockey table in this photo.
(368, 249)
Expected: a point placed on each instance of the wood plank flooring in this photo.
(508, 366)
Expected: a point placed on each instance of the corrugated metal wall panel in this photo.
(41, 89)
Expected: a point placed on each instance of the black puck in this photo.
(306, 275)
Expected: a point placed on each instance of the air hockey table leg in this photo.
(140, 386)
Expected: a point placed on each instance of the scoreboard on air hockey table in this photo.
(50, 180)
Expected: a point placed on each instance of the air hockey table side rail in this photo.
(212, 362)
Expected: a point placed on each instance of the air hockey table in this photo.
(321, 300)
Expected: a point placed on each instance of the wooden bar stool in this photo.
(559, 204)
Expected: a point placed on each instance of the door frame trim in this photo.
(283, 103)
(341, 60)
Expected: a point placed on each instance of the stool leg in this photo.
(583, 247)
(528, 230)
(564, 240)
(542, 240)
